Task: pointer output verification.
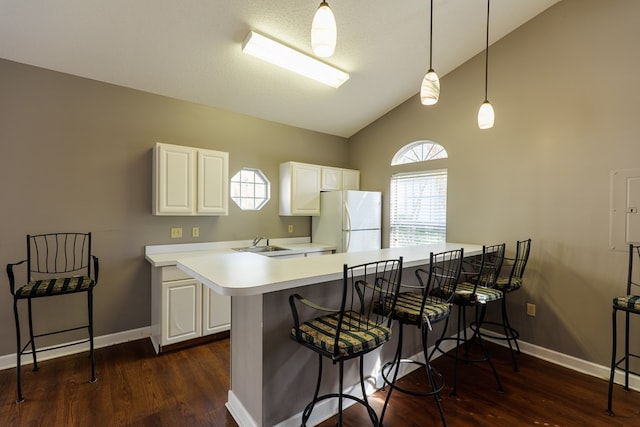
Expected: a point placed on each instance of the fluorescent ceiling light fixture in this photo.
(271, 51)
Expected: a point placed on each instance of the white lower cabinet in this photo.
(216, 312)
(182, 308)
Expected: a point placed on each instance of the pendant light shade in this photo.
(486, 115)
(323, 31)
(430, 89)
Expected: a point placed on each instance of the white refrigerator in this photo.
(349, 220)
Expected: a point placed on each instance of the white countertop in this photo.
(242, 274)
(167, 255)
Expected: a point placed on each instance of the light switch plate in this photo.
(176, 232)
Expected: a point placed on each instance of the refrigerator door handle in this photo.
(347, 215)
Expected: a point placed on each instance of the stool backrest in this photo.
(523, 247)
(634, 256)
(490, 265)
(444, 275)
(367, 287)
(58, 254)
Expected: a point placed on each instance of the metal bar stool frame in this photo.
(629, 304)
(473, 294)
(509, 284)
(423, 310)
(339, 335)
(57, 259)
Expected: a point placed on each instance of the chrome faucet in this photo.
(257, 240)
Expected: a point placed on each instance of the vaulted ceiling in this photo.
(191, 50)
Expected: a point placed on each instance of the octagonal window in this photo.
(250, 189)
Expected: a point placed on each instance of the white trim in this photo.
(573, 363)
(238, 411)
(323, 409)
(9, 361)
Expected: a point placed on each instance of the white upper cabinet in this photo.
(190, 181)
(350, 179)
(299, 189)
(213, 182)
(331, 178)
(339, 179)
(301, 183)
(173, 180)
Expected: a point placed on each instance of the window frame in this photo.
(247, 189)
(419, 151)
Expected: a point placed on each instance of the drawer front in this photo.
(171, 273)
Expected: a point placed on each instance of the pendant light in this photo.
(430, 89)
(323, 31)
(486, 115)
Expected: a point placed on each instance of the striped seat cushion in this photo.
(627, 301)
(57, 286)
(358, 335)
(464, 291)
(408, 307)
(503, 284)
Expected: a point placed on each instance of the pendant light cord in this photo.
(486, 57)
(431, 36)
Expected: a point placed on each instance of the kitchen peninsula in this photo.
(272, 378)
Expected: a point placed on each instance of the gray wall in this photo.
(565, 92)
(75, 154)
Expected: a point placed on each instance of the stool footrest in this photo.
(307, 410)
(624, 358)
(513, 334)
(439, 384)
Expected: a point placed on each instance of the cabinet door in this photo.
(331, 178)
(173, 180)
(350, 179)
(305, 189)
(213, 182)
(216, 312)
(181, 310)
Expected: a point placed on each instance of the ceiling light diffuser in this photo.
(324, 33)
(283, 56)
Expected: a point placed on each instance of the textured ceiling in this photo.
(191, 50)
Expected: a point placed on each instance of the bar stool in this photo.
(57, 264)
(629, 304)
(508, 284)
(423, 309)
(474, 292)
(355, 328)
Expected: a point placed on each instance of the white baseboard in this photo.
(573, 363)
(9, 361)
(238, 411)
(327, 408)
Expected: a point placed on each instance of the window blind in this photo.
(418, 208)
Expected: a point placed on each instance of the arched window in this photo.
(419, 151)
(418, 202)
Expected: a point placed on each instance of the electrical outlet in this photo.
(531, 310)
(176, 232)
(290, 228)
(195, 232)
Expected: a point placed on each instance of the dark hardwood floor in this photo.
(188, 387)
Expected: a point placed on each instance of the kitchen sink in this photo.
(260, 249)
